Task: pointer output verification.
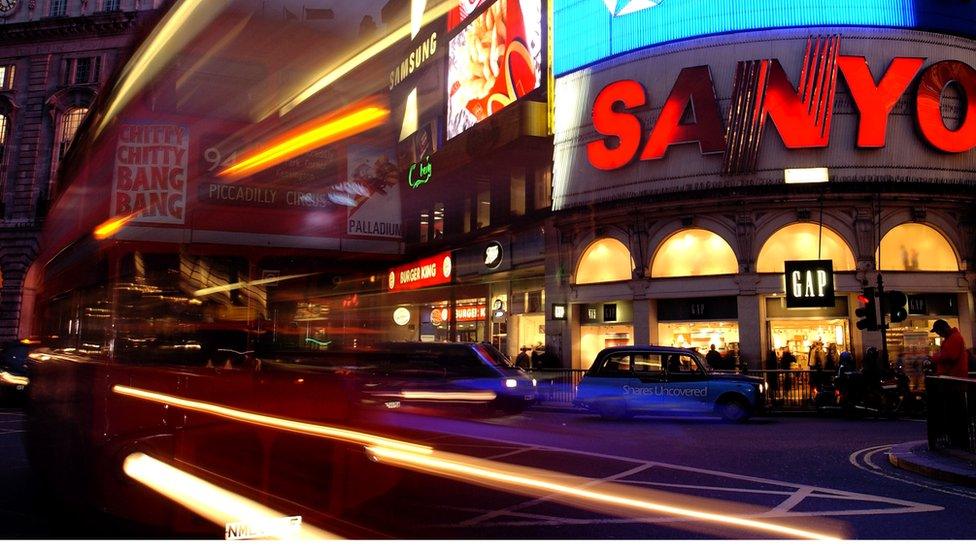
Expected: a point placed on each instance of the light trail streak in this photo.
(114, 225)
(308, 137)
(499, 476)
(182, 23)
(294, 426)
(333, 74)
(238, 285)
(208, 500)
(526, 479)
(13, 379)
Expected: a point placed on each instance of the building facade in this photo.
(692, 162)
(55, 56)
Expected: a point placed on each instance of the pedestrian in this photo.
(523, 360)
(952, 359)
(786, 363)
(713, 358)
(537, 356)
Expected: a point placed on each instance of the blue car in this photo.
(626, 381)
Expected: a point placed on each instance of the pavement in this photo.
(915, 456)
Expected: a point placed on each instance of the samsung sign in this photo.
(587, 31)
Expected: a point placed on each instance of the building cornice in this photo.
(54, 28)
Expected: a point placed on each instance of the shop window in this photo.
(424, 226)
(694, 252)
(7, 76)
(438, 224)
(543, 188)
(517, 194)
(916, 247)
(800, 241)
(605, 260)
(484, 208)
(111, 5)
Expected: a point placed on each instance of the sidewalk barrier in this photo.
(952, 416)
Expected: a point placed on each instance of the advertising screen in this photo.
(462, 11)
(494, 60)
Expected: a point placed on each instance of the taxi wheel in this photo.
(613, 410)
(734, 411)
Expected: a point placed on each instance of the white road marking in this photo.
(867, 453)
(5, 432)
(797, 492)
(512, 453)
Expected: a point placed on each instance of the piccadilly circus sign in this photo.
(763, 94)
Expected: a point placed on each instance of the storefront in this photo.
(671, 196)
(699, 324)
(604, 325)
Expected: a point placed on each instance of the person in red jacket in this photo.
(953, 359)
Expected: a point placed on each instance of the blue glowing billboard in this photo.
(587, 31)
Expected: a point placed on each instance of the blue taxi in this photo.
(626, 381)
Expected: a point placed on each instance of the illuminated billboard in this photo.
(588, 31)
(493, 61)
(462, 11)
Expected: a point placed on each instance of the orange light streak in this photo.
(313, 429)
(114, 225)
(308, 137)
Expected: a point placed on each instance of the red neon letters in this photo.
(874, 102)
(610, 122)
(801, 115)
(694, 87)
(929, 106)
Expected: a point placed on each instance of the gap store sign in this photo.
(588, 31)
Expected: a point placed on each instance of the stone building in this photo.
(55, 56)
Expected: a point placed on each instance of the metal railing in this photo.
(951, 415)
(788, 389)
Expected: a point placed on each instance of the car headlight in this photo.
(761, 387)
(511, 383)
(535, 382)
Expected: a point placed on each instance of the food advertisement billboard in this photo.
(493, 61)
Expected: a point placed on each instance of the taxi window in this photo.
(649, 366)
(616, 365)
(682, 364)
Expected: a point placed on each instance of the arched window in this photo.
(605, 260)
(916, 247)
(70, 121)
(799, 241)
(694, 252)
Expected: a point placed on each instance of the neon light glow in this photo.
(208, 500)
(587, 31)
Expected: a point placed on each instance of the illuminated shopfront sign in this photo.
(494, 255)
(420, 173)
(417, 58)
(809, 283)
(801, 115)
(462, 313)
(588, 31)
(401, 316)
(432, 271)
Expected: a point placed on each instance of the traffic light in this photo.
(867, 312)
(896, 302)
